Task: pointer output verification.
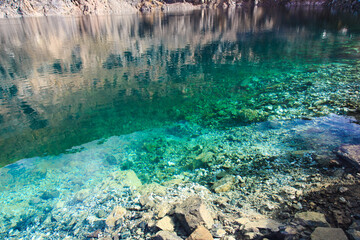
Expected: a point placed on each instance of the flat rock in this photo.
(117, 213)
(166, 224)
(269, 224)
(224, 184)
(165, 235)
(350, 154)
(323, 233)
(313, 219)
(192, 213)
(200, 233)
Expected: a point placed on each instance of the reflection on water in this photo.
(66, 81)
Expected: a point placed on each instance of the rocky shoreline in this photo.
(249, 182)
(29, 8)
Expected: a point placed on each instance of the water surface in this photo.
(68, 81)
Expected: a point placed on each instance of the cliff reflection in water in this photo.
(66, 81)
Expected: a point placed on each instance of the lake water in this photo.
(182, 95)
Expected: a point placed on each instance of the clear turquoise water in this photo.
(67, 81)
(186, 95)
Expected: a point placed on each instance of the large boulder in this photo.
(192, 213)
(350, 154)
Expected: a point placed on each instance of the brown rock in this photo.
(322, 233)
(350, 154)
(200, 233)
(314, 219)
(165, 235)
(192, 213)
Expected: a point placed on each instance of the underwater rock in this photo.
(192, 213)
(200, 233)
(224, 184)
(110, 159)
(324, 233)
(313, 219)
(165, 235)
(153, 188)
(166, 224)
(248, 116)
(94, 234)
(121, 179)
(115, 215)
(82, 195)
(50, 194)
(350, 154)
(101, 213)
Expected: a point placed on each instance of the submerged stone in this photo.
(224, 184)
(120, 179)
(110, 159)
(50, 194)
(117, 213)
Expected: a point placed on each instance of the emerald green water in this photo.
(68, 81)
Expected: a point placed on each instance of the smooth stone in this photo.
(200, 233)
(313, 219)
(323, 233)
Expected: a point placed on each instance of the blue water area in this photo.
(186, 96)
